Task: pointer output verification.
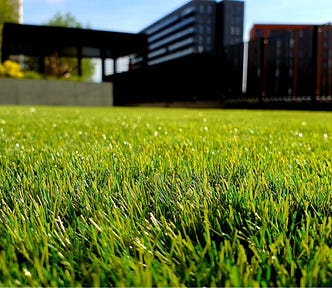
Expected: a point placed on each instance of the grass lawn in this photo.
(165, 197)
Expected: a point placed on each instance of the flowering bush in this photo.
(11, 69)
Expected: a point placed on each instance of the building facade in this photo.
(229, 23)
(199, 26)
(186, 57)
(290, 62)
(324, 62)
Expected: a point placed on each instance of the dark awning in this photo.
(33, 40)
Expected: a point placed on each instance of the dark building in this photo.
(200, 26)
(186, 55)
(290, 63)
(324, 62)
(39, 42)
(229, 24)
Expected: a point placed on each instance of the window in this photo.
(259, 33)
(171, 29)
(172, 56)
(171, 38)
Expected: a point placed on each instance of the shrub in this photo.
(33, 75)
(11, 69)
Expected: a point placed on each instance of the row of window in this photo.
(162, 24)
(190, 28)
(172, 19)
(171, 29)
(173, 56)
(172, 47)
(276, 33)
(173, 37)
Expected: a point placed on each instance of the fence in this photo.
(55, 92)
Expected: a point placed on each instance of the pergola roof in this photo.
(34, 40)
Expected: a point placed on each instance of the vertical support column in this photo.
(295, 65)
(319, 62)
(79, 61)
(103, 65)
(329, 73)
(103, 69)
(314, 64)
(41, 64)
(263, 66)
(114, 64)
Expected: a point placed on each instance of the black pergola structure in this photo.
(43, 41)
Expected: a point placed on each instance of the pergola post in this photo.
(41, 64)
(40, 42)
(103, 64)
(79, 61)
(114, 65)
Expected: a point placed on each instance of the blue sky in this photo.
(134, 15)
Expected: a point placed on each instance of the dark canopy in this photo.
(42, 41)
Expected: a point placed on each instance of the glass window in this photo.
(200, 29)
(200, 39)
(171, 29)
(175, 55)
(162, 24)
(171, 38)
(259, 33)
(182, 43)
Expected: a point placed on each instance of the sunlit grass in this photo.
(164, 197)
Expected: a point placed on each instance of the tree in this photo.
(8, 13)
(67, 20)
(67, 67)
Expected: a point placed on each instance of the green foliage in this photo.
(33, 75)
(67, 63)
(146, 197)
(8, 13)
(66, 20)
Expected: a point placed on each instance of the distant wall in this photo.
(55, 92)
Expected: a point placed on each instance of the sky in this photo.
(135, 15)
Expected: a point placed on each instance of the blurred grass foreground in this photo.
(164, 197)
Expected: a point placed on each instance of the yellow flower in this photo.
(12, 69)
